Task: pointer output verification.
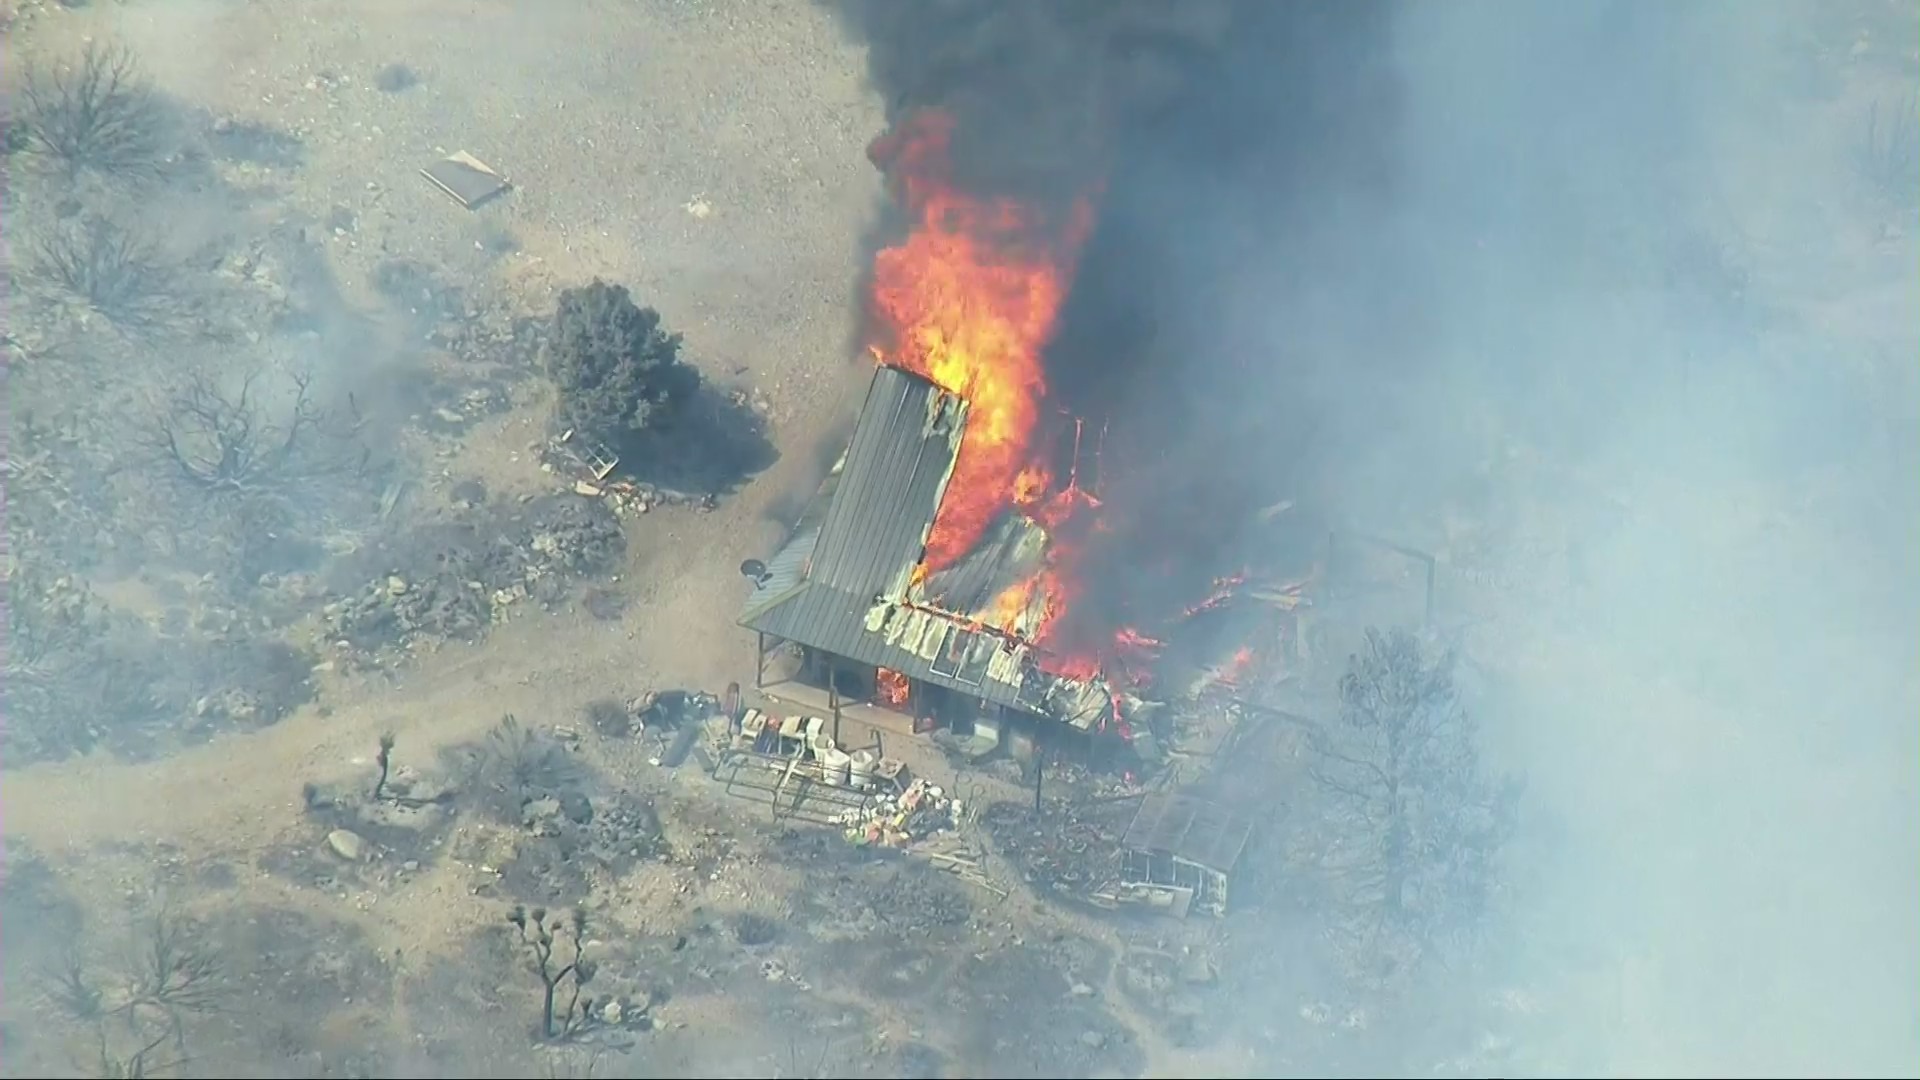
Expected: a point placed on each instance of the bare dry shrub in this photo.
(111, 271)
(260, 435)
(96, 114)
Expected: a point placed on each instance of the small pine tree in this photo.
(618, 372)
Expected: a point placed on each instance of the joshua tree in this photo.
(384, 759)
(539, 937)
(1418, 825)
(96, 114)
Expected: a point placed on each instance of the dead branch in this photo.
(109, 270)
(137, 1066)
(241, 442)
(174, 972)
(72, 989)
(98, 114)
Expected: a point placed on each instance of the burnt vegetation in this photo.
(96, 113)
(138, 1009)
(76, 672)
(1418, 824)
(106, 269)
(260, 435)
(148, 1060)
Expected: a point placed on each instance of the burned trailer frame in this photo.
(1179, 855)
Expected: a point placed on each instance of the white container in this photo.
(835, 767)
(820, 743)
(860, 770)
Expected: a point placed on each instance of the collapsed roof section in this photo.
(844, 580)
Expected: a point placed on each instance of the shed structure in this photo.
(1180, 852)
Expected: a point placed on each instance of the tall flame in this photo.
(969, 300)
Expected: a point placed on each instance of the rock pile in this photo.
(470, 584)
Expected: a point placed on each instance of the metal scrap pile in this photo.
(1061, 850)
(897, 820)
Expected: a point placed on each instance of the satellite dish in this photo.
(754, 570)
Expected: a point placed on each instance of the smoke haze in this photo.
(1598, 302)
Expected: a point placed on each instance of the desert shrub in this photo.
(111, 271)
(515, 765)
(75, 672)
(618, 372)
(97, 114)
(259, 434)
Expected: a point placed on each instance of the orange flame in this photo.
(1237, 668)
(969, 300)
(891, 687)
(1223, 589)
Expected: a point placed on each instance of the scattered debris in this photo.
(897, 821)
(466, 178)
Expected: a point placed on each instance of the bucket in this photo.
(860, 769)
(834, 767)
(821, 744)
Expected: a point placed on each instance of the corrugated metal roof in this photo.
(1189, 828)
(897, 467)
(1012, 551)
(842, 583)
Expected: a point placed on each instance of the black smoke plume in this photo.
(1225, 139)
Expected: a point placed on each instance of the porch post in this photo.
(760, 660)
(833, 695)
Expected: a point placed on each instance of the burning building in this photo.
(947, 567)
(1073, 187)
(939, 555)
(855, 590)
